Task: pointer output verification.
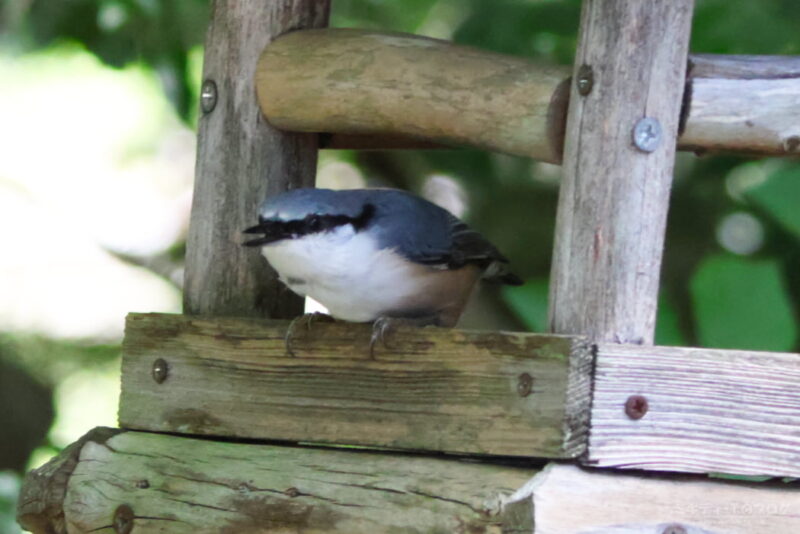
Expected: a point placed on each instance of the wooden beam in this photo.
(364, 82)
(707, 411)
(241, 158)
(567, 499)
(746, 104)
(614, 196)
(307, 82)
(140, 482)
(435, 389)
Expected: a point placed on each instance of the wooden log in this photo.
(707, 411)
(241, 158)
(567, 499)
(364, 82)
(140, 482)
(434, 389)
(744, 104)
(732, 103)
(614, 196)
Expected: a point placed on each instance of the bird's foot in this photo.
(306, 320)
(384, 325)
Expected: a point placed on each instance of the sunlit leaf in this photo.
(742, 303)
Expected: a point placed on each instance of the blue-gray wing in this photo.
(425, 233)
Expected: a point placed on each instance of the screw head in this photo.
(647, 134)
(142, 484)
(636, 406)
(674, 529)
(208, 96)
(123, 519)
(524, 384)
(585, 80)
(160, 370)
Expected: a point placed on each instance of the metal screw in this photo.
(585, 79)
(208, 96)
(123, 519)
(647, 134)
(524, 384)
(142, 484)
(791, 144)
(160, 370)
(636, 406)
(674, 529)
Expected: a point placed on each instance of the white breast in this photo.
(345, 271)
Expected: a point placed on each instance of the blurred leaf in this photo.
(9, 488)
(668, 328)
(742, 303)
(529, 303)
(746, 27)
(779, 198)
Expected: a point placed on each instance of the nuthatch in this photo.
(376, 255)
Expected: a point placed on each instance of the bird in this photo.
(384, 256)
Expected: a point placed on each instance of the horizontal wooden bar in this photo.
(567, 499)
(433, 389)
(368, 83)
(707, 410)
(376, 90)
(142, 482)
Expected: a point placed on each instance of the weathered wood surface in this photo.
(176, 484)
(364, 82)
(241, 158)
(570, 500)
(613, 200)
(435, 389)
(708, 411)
(732, 103)
(744, 103)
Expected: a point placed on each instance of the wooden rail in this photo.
(436, 389)
(112, 481)
(703, 410)
(378, 90)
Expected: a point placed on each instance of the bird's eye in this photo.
(314, 223)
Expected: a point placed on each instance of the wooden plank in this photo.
(743, 103)
(566, 498)
(613, 200)
(732, 103)
(725, 411)
(365, 82)
(241, 158)
(181, 485)
(435, 389)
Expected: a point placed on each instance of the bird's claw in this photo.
(306, 319)
(380, 327)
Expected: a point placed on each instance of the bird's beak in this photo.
(271, 232)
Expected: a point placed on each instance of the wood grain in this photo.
(725, 411)
(744, 104)
(370, 83)
(613, 199)
(240, 159)
(182, 485)
(570, 500)
(435, 389)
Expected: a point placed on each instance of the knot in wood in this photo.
(123, 519)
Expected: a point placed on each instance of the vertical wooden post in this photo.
(612, 209)
(240, 158)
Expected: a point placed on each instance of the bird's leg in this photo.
(384, 325)
(306, 319)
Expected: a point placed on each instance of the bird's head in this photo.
(300, 212)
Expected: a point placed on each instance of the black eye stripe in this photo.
(275, 230)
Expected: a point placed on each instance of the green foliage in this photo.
(741, 303)
(779, 198)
